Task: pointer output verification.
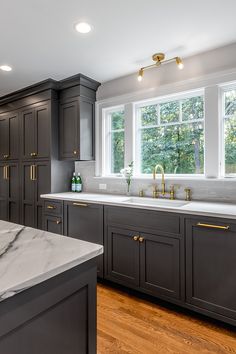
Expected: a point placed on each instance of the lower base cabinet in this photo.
(210, 266)
(146, 261)
(85, 222)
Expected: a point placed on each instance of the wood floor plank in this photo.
(130, 325)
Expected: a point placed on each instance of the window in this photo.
(171, 133)
(115, 140)
(229, 122)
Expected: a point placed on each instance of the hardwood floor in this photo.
(127, 324)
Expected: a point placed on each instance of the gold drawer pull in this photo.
(33, 154)
(135, 238)
(220, 227)
(51, 207)
(7, 172)
(58, 222)
(141, 239)
(80, 204)
(5, 156)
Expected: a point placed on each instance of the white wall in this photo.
(205, 70)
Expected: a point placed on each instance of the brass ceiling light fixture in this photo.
(159, 58)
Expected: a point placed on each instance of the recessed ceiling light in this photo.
(83, 27)
(5, 68)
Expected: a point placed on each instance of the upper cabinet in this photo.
(9, 136)
(77, 119)
(36, 132)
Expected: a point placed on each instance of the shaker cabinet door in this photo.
(210, 265)
(69, 130)
(122, 256)
(28, 134)
(160, 265)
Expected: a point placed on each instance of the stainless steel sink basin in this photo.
(156, 202)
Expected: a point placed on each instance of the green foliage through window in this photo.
(230, 131)
(177, 141)
(117, 141)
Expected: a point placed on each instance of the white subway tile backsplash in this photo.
(205, 189)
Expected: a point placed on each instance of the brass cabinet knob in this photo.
(75, 152)
(135, 238)
(141, 239)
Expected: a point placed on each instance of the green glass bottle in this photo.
(78, 183)
(73, 183)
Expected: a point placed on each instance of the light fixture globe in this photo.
(83, 27)
(5, 68)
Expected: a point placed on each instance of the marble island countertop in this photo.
(29, 256)
(224, 210)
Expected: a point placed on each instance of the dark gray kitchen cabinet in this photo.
(36, 180)
(53, 224)
(77, 129)
(160, 265)
(85, 222)
(123, 256)
(9, 136)
(9, 192)
(210, 265)
(77, 119)
(149, 262)
(35, 132)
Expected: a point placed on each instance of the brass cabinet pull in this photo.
(58, 222)
(35, 172)
(220, 227)
(5, 156)
(33, 154)
(51, 207)
(135, 238)
(141, 239)
(80, 204)
(4, 172)
(7, 174)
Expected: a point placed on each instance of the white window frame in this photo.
(106, 148)
(170, 98)
(224, 88)
(212, 85)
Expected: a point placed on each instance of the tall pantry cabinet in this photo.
(30, 141)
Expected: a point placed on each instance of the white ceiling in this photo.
(38, 40)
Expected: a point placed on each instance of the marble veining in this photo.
(29, 256)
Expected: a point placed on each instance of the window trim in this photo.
(224, 88)
(106, 141)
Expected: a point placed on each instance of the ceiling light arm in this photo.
(159, 59)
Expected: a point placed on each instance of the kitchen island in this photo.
(47, 292)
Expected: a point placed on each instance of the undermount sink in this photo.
(156, 202)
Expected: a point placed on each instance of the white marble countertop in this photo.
(29, 256)
(224, 210)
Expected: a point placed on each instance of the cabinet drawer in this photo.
(53, 224)
(53, 207)
(144, 219)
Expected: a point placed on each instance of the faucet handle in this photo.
(187, 194)
(141, 193)
(155, 191)
(172, 192)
